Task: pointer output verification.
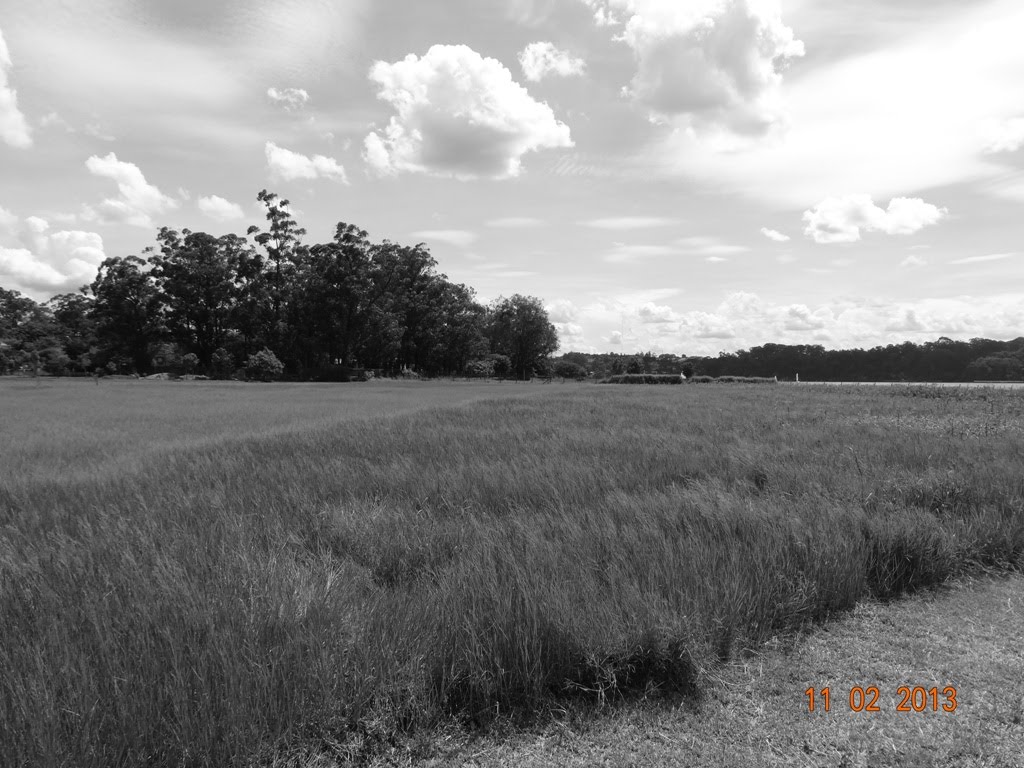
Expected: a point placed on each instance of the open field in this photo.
(204, 574)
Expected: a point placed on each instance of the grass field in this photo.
(206, 574)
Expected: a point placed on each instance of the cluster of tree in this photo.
(208, 304)
(602, 365)
(941, 360)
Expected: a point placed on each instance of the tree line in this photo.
(943, 360)
(205, 304)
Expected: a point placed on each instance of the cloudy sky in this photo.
(684, 176)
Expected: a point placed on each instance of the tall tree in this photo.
(519, 328)
(282, 241)
(72, 313)
(197, 276)
(126, 308)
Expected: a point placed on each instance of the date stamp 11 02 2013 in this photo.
(867, 699)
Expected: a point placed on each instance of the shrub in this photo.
(54, 361)
(480, 369)
(644, 378)
(264, 366)
(222, 363)
(565, 369)
(502, 365)
(189, 362)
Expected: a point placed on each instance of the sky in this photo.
(674, 176)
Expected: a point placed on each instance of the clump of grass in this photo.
(643, 378)
(732, 380)
(335, 586)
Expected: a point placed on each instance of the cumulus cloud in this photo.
(45, 263)
(220, 209)
(655, 313)
(289, 98)
(14, 128)
(562, 311)
(539, 60)
(743, 320)
(798, 317)
(615, 338)
(289, 166)
(913, 260)
(841, 219)
(715, 63)
(774, 234)
(138, 201)
(459, 114)
(629, 222)
(458, 237)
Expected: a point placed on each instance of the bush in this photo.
(502, 365)
(189, 363)
(565, 369)
(644, 378)
(54, 361)
(264, 366)
(480, 369)
(222, 364)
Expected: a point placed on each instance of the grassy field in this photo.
(206, 574)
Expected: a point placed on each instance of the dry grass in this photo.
(251, 591)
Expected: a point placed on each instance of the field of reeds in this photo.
(210, 574)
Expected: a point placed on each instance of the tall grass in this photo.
(237, 598)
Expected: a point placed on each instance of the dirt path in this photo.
(969, 635)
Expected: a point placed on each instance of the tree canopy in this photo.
(206, 303)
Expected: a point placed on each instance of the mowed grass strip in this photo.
(235, 600)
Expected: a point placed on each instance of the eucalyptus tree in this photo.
(197, 275)
(127, 310)
(519, 328)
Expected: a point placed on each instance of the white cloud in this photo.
(709, 246)
(841, 219)
(629, 222)
(562, 311)
(1003, 135)
(906, 321)
(541, 59)
(14, 128)
(979, 259)
(459, 114)
(714, 63)
(458, 237)
(289, 98)
(515, 222)
(220, 209)
(138, 201)
(914, 260)
(615, 338)
(48, 263)
(289, 166)
(624, 252)
(655, 313)
(797, 317)
(774, 234)
(868, 121)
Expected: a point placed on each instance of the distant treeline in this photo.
(941, 360)
(217, 305)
